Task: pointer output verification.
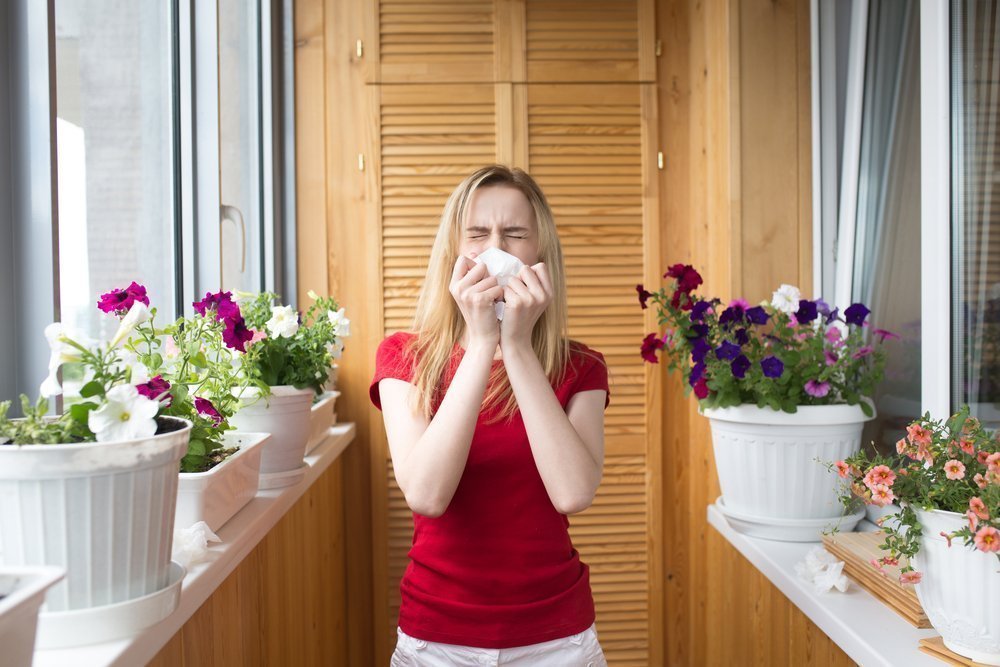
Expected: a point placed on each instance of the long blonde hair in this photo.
(438, 323)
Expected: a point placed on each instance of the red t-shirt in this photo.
(497, 569)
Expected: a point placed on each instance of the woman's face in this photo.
(500, 217)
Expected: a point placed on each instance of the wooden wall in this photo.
(731, 115)
(286, 603)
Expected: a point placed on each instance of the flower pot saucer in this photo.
(93, 625)
(279, 480)
(787, 530)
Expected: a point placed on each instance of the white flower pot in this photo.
(771, 464)
(216, 495)
(102, 511)
(321, 418)
(22, 592)
(285, 414)
(960, 589)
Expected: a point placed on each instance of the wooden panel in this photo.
(440, 41)
(588, 40)
(286, 603)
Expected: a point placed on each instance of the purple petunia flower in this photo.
(806, 312)
(830, 356)
(772, 367)
(643, 295)
(742, 337)
(698, 331)
(740, 366)
(120, 301)
(699, 349)
(205, 408)
(154, 389)
(856, 314)
(699, 309)
(833, 315)
(697, 372)
(757, 315)
(817, 389)
(236, 335)
(883, 334)
(732, 315)
(863, 352)
(650, 344)
(727, 350)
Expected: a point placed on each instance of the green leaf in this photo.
(92, 388)
(81, 411)
(867, 409)
(197, 448)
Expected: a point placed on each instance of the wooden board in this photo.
(935, 646)
(857, 551)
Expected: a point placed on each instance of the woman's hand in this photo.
(474, 291)
(527, 295)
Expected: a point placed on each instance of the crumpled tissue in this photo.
(191, 544)
(501, 265)
(822, 570)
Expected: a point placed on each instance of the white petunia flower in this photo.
(341, 325)
(284, 322)
(61, 353)
(786, 299)
(137, 314)
(127, 415)
(336, 349)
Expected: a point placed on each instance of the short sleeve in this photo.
(593, 375)
(391, 361)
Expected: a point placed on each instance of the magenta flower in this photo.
(643, 295)
(120, 301)
(863, 352)
(205, 408)
(222, 303)
(883, 334)
(650, 344)
(236, 335)
(817, 389)
(687, 277)
(701, 388)
(830, 356)
(156, 388)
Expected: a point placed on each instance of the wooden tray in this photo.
(935, 646)
(857, 550)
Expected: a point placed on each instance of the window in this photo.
(915, 155)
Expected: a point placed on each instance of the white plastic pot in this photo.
(321, 418)
(771, 464)
(22, 592)
(960, 588)
(104, 512)
(216, 495)
(285, 414)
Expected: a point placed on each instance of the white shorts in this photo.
(581, 649)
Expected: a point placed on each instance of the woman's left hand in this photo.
(526, 297)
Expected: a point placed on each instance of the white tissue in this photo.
(191, 544)
(501, 265)
(822, 570)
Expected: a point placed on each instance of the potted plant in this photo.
(946, 479)
(93, 490)
(786, 384)
(291, 358)
(22, 592)
(194, 366)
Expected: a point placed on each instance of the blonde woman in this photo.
(495, 430)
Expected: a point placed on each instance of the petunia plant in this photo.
(779, 354)
(293, 348)
(951, 465)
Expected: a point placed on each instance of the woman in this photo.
(496, 433)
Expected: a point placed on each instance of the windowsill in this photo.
(864, 628)
(240, 536)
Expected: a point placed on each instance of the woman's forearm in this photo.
(436, 462)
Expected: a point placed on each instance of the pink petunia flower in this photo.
(843, 469)
(741, 303)
(817, 389)
(954, 469)
(830, 357)
(911, 577)
(966, 446)
(880, 475)
(993, 461)
(878, 566)
(918, 434)
(979, 480)
(982, 455)
(862, 352)
(947, 537)
(882, 495)
(833, 335)
(977, 506)
(973, 520)
(988, 539)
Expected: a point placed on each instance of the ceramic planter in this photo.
(960, 589)
(771, 463)
(321, 418)
(286, 415)
(216, 495)
(22, 592)
(104, 512)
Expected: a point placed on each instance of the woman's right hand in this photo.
(475, 292)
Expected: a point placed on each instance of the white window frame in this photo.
(935, 203)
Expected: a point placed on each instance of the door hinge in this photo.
(359, 48)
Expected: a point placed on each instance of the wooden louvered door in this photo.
(557, 88)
